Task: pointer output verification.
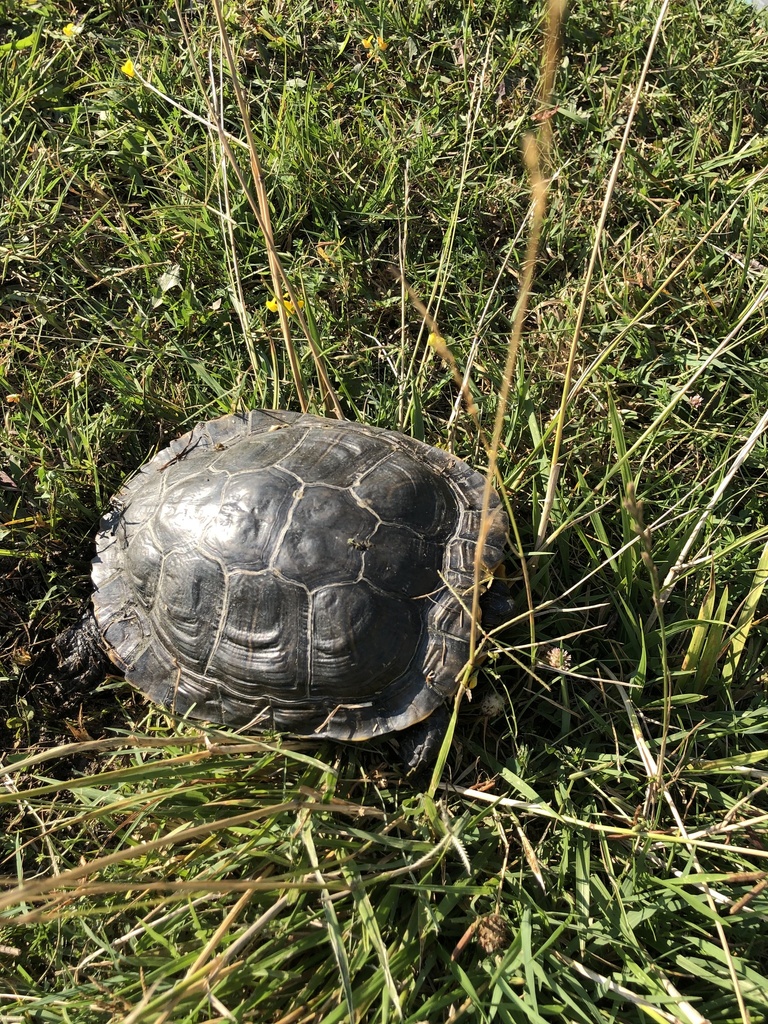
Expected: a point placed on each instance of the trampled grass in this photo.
(595, 846)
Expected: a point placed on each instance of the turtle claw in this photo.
(79, 652)
(420, 743)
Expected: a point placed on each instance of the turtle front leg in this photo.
(80, 652)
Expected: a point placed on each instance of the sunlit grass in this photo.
(596, 846)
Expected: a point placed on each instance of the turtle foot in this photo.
(496, 605)
(79, 652)
(420, 743)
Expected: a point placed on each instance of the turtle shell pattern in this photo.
(280, 570)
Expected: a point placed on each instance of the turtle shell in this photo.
(280, 570)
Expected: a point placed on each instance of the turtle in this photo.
(275, 570)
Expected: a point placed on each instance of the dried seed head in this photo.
(557, 657)
(492, 933)
(491, 704)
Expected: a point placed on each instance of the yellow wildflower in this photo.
(71, 30)
(290, 309)
(128, 68)
(374, 42)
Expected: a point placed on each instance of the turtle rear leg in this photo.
(420, 743)
(80, 652)
(497, 606)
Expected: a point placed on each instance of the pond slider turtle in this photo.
(274, 570)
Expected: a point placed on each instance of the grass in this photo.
(595, 846)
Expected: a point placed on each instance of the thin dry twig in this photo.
(259, 205)
(561, 413)
(264, 219)
(438, 343)
(689, 1014)
(443, 276)
(738, 461)
(654, 771)
(539, 190)
(228, 227)
(183, 985)
(536, 154)
(27, 808)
